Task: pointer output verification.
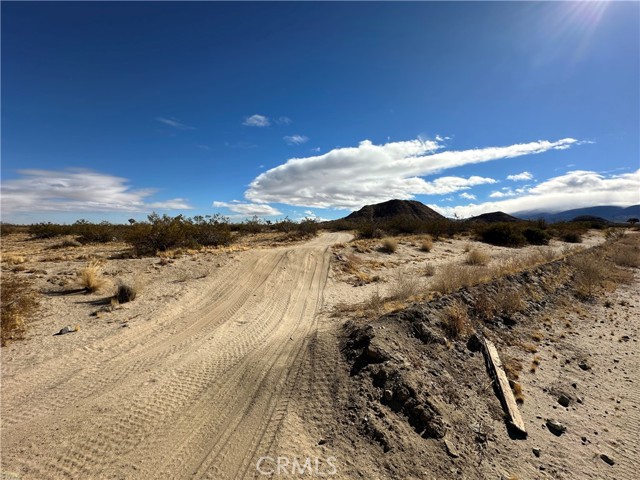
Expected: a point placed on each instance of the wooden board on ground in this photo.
(506, 396)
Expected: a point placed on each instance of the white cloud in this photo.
(520, 177)
(173, 122)
(256, 120)
(77, 190)
(574, 189)
(351, 177)
(295, 139)
(248, 209)
(468, 196)
(283, 121)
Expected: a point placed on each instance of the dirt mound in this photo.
(394, 209)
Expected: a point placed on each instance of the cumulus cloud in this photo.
(295, 139)
(248, 209)
(173, 122)
(283, 120)
(349, 178)
(576, 189)
(468, 196)
(77, 190)
(520, 177)
(256, 120)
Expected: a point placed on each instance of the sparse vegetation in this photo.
(426, 243)
(456, 319)
(627, 256)
(571, 237)
(589, 271)
(405, 285)
(503, 234)
(90, 278)
(536, 236)
(18, 303)
(126, 292)
(389, 245)
(477, 257)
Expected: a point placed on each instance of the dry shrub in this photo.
(126, 292)
(14, 259)
(389, 245)
(426, 243)
(374, 304)
(518, 394)
(90, 277)
(529, 347)
(18, 302)
(627, 256)
(589, 271)
(535, 363)
(508, 301)
(429, 270)
(484, 306)
(537, 335)
(477, 257)
(452, 277)
(405, 285)
(456, 320)
(512, 367)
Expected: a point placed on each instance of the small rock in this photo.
(536, 451)
(556, 427)
(67, 329)
(607, 459)
(322, 441)
(388, 395)
(579, 399)
(564, 400)
(451, 450)
(584, 365)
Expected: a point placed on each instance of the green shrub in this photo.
(571, 237)
(503, 234)
(536, 236)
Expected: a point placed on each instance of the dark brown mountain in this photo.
(494, 217)
(394, 209)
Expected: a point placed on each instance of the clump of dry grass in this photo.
(454, 277)
(535, 363)
(405, 285)
(477, 257)
(512, 367)
(389, 245)
(90, 277)
(529, 347)
(374, 304)
(508, 301)
(518, 394)
(14, 259)
(18, 302)
(127, 292)
(429, 270)
(456, 320)
(426, 243)
(537, 335)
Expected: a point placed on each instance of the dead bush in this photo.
(451, 278)
(456, 319)
(14, 259)
(477, 257)
(429, 270)
(90, 278)
(389, 245)
(18, 303)
(508, 301)
(374, 304)
(512, 367)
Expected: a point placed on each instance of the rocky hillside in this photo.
(394, 209)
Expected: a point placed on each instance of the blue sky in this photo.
(113, 110)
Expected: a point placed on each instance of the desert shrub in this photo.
(429, 270)
(512, 367)
(374, 304)
(589, 271)
(508, 301)
(368, 230)
(627, 256)
(426, 243)
(389, 245)
(285, 225)
(94, 232)
(477, 257)
(405, 285)
(536, 236)
(48, 230)
(307, 227)
(454, 277)
(126, 292)
(503, 234)
(613, 234)
(12, 259)
(18, 302)
(456, 319)
(571, 237)
(68, 243)
(90, 278)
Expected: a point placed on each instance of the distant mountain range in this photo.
(610, 213)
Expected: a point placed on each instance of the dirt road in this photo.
(200, 393)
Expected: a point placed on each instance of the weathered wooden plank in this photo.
(506, 396)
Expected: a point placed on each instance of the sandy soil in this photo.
(233, 355)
